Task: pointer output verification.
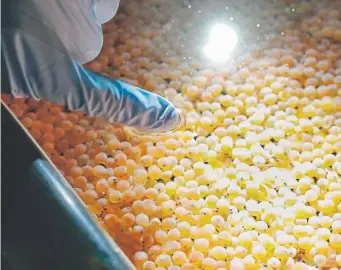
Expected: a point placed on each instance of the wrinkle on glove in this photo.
(43, 44)
(76, 23)
(32, 68)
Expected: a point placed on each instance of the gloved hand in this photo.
(44, 43)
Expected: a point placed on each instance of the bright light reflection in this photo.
(221, 43)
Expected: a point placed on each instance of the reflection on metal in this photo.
(46, 225)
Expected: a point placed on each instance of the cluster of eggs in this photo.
(253, 179)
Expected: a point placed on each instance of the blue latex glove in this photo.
(44, 43)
